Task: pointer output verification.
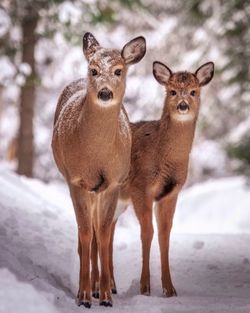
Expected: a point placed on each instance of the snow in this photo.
(25, 68)
(39, 262)
(240, 131)
(5, 22)
(27, 296)
(7, 70)
(217, 206)
(208, 156)
(69, 13)
(164, 28)
(124, 124)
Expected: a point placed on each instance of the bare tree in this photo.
(27, 98)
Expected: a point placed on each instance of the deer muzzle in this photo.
(183, 107)
(105, 94)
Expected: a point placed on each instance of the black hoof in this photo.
(95, 294)
(114, 291)
(106, 303)
(86, 304)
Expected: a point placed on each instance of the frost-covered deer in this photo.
(92, 146)
(159, 162)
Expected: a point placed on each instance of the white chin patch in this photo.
(183, 111)
(108, 103)
(183, 117)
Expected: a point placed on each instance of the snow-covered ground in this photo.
(210, 253)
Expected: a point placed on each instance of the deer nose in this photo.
(105, 94)
(183, 107)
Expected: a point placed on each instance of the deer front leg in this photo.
(143, 210)
(83, 218)
(95, 270)
(164, 216)
(95, 282)
(111, 265)
(106, 210)
(105, 286)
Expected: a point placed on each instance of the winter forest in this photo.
(40, 53)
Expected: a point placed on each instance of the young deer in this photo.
(92, 145)
(159, 162)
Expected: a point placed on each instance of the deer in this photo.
(159, 163)
(91, 144)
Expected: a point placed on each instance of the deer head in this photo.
(183, 89)
(107, 68)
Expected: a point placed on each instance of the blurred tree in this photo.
(228, 22)
(236, 18)
(26, 16)
(241, 152)
(25, 144)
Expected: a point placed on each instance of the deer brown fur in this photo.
(159, 162)
(91, 145)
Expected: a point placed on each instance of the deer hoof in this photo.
(106, 303)
(85, 303)
(113, 286)
(114, 291)
(83, 298)
(169, 292)
(105, 299)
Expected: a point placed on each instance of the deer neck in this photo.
(175, 138)
(99, 122)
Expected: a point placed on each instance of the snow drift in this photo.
(39, 261)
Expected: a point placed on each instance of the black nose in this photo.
(183, 106)
(105, 94)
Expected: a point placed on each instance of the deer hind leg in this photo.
(143, 210)
(111, 265)
(108, 202)
(164, 216)
(80, 257)
(95, 270)
(84, 240)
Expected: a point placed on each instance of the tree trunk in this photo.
(27, 99)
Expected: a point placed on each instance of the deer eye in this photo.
(118, 72)
(192, 93)
(173, 93)
(93, 72)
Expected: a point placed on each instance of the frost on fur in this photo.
(90, 45)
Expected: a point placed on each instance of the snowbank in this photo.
(217, 206)
(39, 262)
(16, 296)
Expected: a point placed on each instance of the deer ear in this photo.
(161, 72)
(205, 73)
(134, 50)
(90, 45)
